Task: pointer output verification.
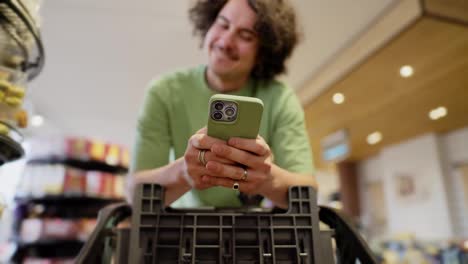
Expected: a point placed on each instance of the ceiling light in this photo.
(37, 120)
(438, 113)
(406, 71)
(338, 98)
(374, 138)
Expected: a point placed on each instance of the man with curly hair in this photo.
(247, 43)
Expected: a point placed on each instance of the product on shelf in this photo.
(13, 101)
(41, 180)
(13, 61)
(21, 118)
(4, 130)
(4, 75)
(410, 250)
(15, 91)
(4, 84)
(104, 185)
(12, 92)
(33, 260)
(97, 150)
(2, 205)
(50, 229)
(81, 149)
(75, 182)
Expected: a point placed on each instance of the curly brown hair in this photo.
(275, 26)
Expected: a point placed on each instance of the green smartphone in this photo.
(234, 116)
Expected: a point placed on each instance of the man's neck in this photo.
(224, 85)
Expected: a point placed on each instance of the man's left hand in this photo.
(253, 172)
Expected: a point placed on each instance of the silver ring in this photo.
(235, 186)
(244, 177)
(201, 157)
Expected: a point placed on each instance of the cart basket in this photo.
(160, 234)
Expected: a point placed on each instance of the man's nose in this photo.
(227, 40)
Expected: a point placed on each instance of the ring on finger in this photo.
(245, 175)
(235, 186)
(201, 157)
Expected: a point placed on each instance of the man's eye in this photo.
(246, 36)
(222, 24)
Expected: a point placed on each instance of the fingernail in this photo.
(232, 141)
(196, 142)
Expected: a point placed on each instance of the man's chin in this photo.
(222, 71)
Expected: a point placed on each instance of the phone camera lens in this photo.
(229, 111)
(217, 115)
(219, 106)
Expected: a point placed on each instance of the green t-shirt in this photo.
(176, 106)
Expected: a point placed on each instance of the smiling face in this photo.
(231, 42)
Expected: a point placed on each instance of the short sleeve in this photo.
(153, 138)
(290, 141)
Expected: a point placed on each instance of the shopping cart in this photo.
(164, 235)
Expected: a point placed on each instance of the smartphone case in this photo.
(247, 123)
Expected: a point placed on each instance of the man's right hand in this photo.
(194, 170)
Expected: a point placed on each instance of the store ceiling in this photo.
(100, 55)
(377, 98)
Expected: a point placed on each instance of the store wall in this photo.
(414, 187)
(454, 148)
(372, 209)
(328, 184)
(455, 145)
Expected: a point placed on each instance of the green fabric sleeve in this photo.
(153, 140)
(290, 142)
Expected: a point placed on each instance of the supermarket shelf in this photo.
(48, 249)
(90, 165)
(18, 25)
(65, 200)
(82, 176)
(10, 150)
(60, 206)
(49, 242)
(55, 211)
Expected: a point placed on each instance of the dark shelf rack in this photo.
(88, 164)
(67, 200)
(61, 207)
(48, 249)
(10, 150)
